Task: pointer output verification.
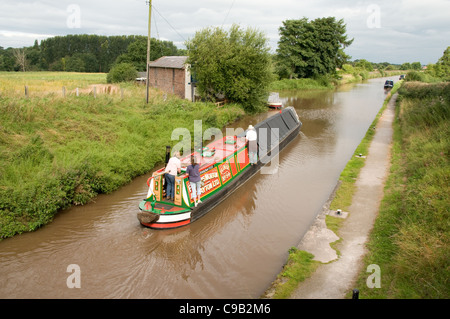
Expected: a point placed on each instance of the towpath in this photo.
(336, 277)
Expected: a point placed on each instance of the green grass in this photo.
(302, 84)
(410, 239)
(56, 152)
(299, 266)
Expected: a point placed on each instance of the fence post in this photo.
(77, 92)
(26, 91)
(95, 92)
(64, 91)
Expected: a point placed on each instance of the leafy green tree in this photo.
(7, 61)
(406, 66)
(137, 52)
(309, 49)
(443, 65)
(234, 65)
(368, 66)
(74, 64)
(416, 66)
(121, 72)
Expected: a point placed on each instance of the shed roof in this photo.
(172, 62)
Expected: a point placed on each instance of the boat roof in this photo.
(221, 149)
(284, 121)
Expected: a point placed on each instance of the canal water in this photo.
(235, 251)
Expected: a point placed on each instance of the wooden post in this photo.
(77, 92)
(95, 92)
(148, 47)
(64, 91)
(26, 91)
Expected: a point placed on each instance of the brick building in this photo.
(171, 74)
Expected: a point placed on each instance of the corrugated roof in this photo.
(172, 62)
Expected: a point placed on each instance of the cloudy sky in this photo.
(395, 31)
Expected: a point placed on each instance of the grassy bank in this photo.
(345, 76)
(322, 83)
(59, 151)
(410, 239)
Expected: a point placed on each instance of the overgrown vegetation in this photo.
(84, 53)
(319, 83)
(308, 49)
(410, 239)
(56, 152)
(232, 65)
(299, 266)
(121, 72)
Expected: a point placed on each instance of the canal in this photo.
(235, 251)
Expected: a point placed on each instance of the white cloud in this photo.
(409, 30)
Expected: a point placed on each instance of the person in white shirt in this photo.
(172, 169)
(251, 138)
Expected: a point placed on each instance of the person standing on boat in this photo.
(172, 169)
(251, 138)
(193, 171)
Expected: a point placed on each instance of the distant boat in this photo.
(274, 101)
(224, 166)
(389, 84)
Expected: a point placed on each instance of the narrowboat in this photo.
(224, 166)
(274, 101)
(389, 84)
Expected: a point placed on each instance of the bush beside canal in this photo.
(59, 151)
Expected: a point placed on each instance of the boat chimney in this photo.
(167, 154)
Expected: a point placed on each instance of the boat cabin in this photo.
(219, 162)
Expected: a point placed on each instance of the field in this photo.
(59, 150)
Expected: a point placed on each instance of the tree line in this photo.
(84, 53)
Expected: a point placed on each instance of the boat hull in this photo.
(275, 105)
(165, 221)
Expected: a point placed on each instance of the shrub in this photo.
(122, 72)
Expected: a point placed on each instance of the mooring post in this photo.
(355, 294)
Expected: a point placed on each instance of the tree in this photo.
(405, 66)
(121, 72)
(442, 68)
(21, 58)
(7, 60)
(137, 52)
(311, 48)
(234, 65)
(416, 66)
(74, 64)
(364, 64)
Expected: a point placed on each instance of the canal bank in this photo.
(335, 277)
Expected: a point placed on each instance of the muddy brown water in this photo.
(235, 251)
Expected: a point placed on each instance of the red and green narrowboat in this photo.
(224, 166)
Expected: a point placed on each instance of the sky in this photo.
(394, 31)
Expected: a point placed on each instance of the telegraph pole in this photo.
(148, 43)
